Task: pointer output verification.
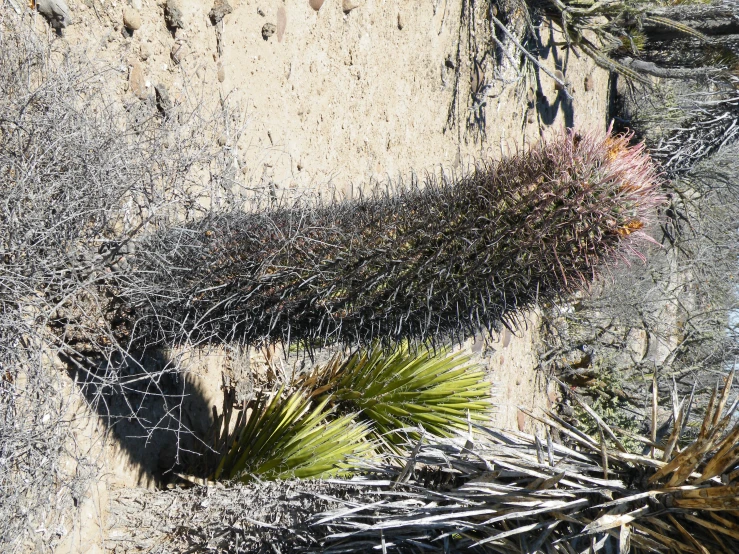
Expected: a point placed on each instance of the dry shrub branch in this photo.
(81, 176)
(673, 318)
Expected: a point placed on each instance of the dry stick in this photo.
(15, 6)
(531, 56)
(603, 453)
(653, 69)
(599, 421)
(654, 412)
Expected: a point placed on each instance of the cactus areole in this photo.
(436, 260)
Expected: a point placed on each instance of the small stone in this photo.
(260, 11)
(221, 73)
(588, 83)
(56, 12)
(173, 14)
(561, 76)
(349, 5)
(121, 265)
(521, 420)
(268, 30)
(179, 51)
(315, 4)
(222, 140)
(131, 19)
(136, 80)
(164, 104)
(505, 338)
(281, 22)
(221, 9)
(145, 51)
(136, 4)
(576, 359)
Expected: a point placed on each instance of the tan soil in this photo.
(335, 101)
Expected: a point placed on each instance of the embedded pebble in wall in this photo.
(315, 4)
(349, 5)
(136, 80)
(221, 73)
(281, 22)
(56, 12)
(173, 14)
(164, 104)
(131, 19)
(220, 9)
(268, 30)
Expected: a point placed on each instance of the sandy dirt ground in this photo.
(340, 101)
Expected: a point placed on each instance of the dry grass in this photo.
(81, 177)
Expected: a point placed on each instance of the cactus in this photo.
(437, 260)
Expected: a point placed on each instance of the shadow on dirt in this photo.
(547, 108)
(156, 412)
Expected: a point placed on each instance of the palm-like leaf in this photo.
(290, 437)
(401, 388)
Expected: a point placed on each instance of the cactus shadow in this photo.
(156, 414)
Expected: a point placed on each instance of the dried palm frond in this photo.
(518, 493)
(604, 61)
(677, 26)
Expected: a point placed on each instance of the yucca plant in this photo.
(518, 493)
(349, 407)
(291, 437)
(398, 388)
(510, 492)
(428, 261)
